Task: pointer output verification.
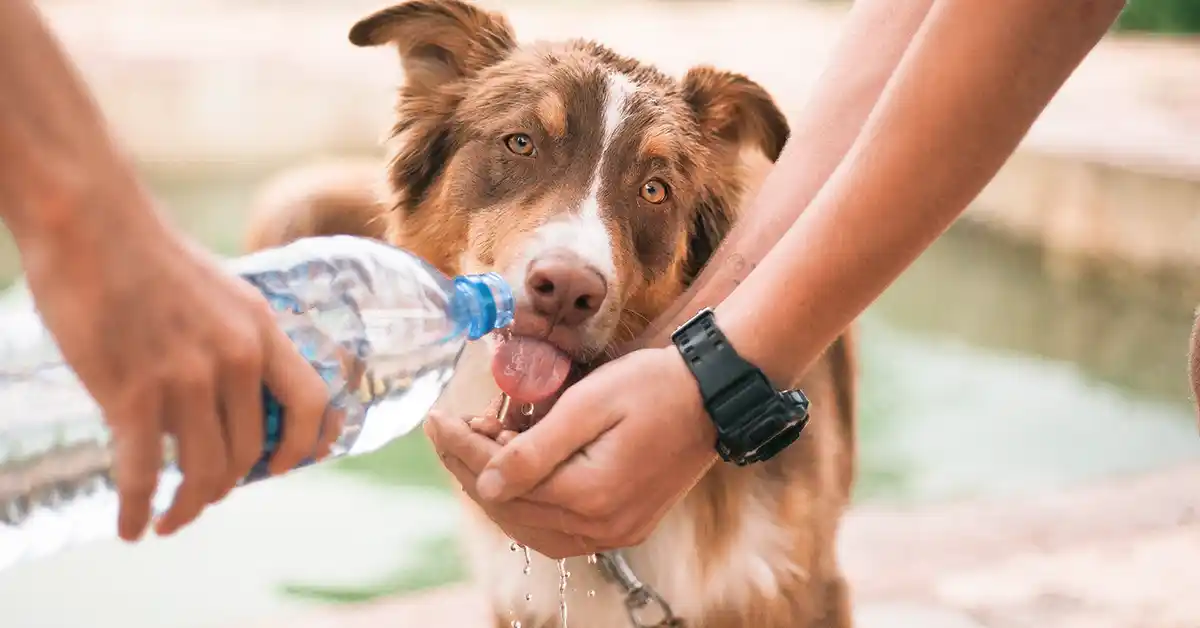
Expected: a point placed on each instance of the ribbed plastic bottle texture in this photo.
(382, 327)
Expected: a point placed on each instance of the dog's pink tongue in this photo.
(529, 370)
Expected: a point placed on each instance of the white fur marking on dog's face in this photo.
(584, 232)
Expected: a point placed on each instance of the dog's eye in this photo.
(519, 144)
(654, 191)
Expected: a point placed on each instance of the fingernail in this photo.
(490, 484)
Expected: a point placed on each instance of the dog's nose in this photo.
(565, 288)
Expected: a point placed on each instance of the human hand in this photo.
(615, 452)
(167, 342)
(480, 438)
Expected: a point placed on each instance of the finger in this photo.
(303, 396)
(488, 426)
(505, 437)
(522, 416)
(526, 461)
(474, 451)
(242, 416)
(200, 446)
(138, 452)
(551, 543)
(331, 431)
(454, 437)
(431, 431)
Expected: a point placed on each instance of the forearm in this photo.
(874, 37)
(976, 77)
(54, 145)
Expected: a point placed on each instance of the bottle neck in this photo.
(482, 303)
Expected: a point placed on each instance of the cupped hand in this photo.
(605, 464)
(169, 344)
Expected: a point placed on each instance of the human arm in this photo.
(974, 80)
(164, 340)
(875, 36)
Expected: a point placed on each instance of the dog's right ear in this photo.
(439, 41)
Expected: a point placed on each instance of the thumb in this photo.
(532, 456)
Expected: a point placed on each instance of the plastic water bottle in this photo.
(382, 327)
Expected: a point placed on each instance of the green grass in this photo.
(440, 563)
(409, 461)
(1171, 17)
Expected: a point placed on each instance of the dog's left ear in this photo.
(439, 41)
(732, 108)
(735, 111)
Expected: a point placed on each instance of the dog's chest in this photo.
(669, 561)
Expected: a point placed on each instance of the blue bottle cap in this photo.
(483, 302)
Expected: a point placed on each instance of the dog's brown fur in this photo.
(463, 203)
(334, 197)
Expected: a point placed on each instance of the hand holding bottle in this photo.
(169, 343)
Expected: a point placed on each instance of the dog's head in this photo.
(596, 185)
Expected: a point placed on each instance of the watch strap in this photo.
(754, 421)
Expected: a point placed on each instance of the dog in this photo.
(588, 176)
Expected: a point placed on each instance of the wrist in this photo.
(754, 420)
(700, 423)
(80, 225)
(58, 196)
(758, 346)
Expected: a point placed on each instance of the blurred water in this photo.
(981, 376)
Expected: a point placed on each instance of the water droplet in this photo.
(527, 409)
(516, 623)
(591, 593)
(592, 559)
(512, 547)
(528, 596)
(563, 574)
(526, 570)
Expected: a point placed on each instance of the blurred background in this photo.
(1025, 397)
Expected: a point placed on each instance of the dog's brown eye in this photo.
(520, 144)
(654, 191)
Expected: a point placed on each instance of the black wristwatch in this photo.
(754, 421)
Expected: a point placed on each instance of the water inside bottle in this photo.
(56, 485)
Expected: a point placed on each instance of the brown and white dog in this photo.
(598, 186)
